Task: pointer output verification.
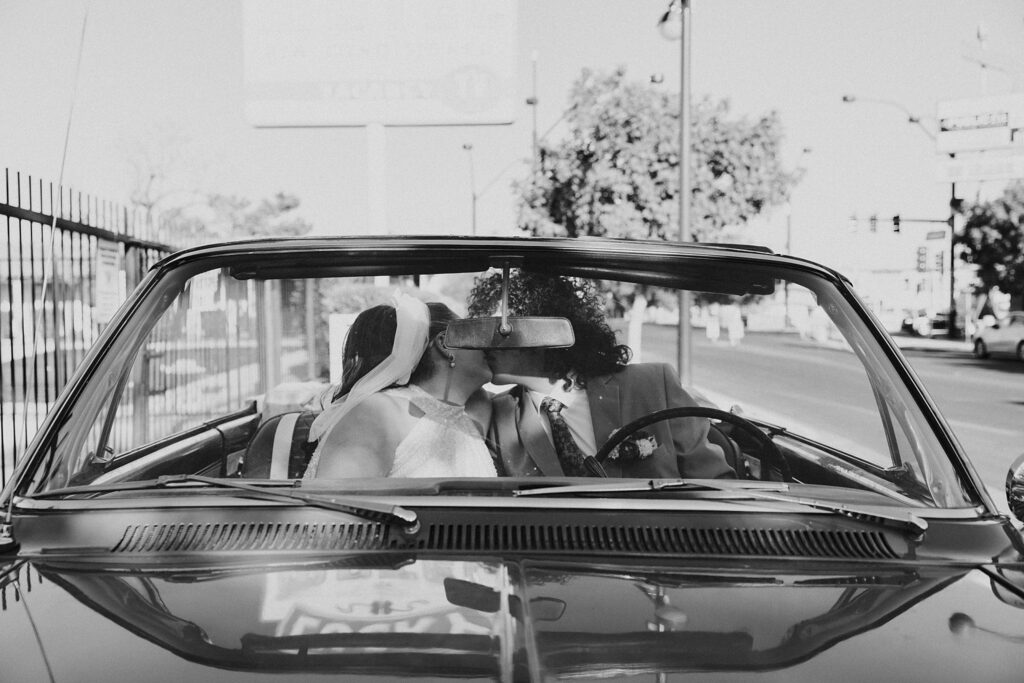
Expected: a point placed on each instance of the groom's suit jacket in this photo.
(524, 449)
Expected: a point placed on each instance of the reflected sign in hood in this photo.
(405, 617)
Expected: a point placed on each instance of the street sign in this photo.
(980, 123)
(1005, 165)
(110, 281)
(936, 235)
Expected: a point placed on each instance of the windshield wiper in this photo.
(906, 521)
(641, 485)
(773, 491)
(367, 509)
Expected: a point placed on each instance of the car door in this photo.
(1013, 332)
(999, 335)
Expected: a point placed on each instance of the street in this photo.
(983, 400)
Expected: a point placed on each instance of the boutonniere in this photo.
(639, 446)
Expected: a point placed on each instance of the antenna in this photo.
(5, 539)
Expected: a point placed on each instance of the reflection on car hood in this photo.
(505, 620)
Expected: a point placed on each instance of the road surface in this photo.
(983, 400)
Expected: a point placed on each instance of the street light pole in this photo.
(911, 117)
(675, 25)
(951, 329)
(789, 235)
(468, 146)
(532, 101)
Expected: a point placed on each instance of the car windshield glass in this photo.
(200, 199)
(248, 371)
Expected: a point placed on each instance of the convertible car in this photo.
(159, 527)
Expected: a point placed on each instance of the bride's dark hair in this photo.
(372, 336)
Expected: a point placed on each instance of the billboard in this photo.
(390, 62)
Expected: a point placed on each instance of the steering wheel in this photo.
(768, 447)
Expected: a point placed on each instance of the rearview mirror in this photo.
(485, 599)
(521, 333)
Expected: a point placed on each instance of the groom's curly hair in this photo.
(596, 351)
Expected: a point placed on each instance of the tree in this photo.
(184, 217)
(616, 173)
(239, 217)
(224, 217)
(993, 239)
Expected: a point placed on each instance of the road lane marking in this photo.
(960, 424)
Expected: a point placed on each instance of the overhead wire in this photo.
(512, 163)
(46, 284)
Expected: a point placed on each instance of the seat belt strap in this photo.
(282, 446)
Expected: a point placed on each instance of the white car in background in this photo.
(1004, 336)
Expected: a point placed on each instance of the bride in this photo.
(405, 403)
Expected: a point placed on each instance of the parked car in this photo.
(924, 324)
(158, 526)
(1002, 337)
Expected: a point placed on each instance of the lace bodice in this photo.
(442, 443)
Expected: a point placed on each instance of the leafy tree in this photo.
(616, 172)
(226, 217)
(993, 238)
(187, 216)
(239, 217)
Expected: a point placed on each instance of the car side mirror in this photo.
(1015, 487)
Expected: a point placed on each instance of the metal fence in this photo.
(68, 261)
(198, 363)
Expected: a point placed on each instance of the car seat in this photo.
(279, 449)
(718, 436)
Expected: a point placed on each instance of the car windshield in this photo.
(224, 368)
(740, 213)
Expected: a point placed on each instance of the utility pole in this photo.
(468, 146)
(789, 236)
(952, 329)
(675, 25)
(532, 101)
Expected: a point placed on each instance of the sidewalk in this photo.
(905, 342)
(910, 343)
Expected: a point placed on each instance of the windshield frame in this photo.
(655, 262)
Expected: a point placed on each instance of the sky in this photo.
(161, 83)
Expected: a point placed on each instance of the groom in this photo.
(567, 402)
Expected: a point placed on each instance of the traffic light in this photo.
(922, 259)
(873, 223)
(940, 262)
(896, 223)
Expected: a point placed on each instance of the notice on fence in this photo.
(109, 287)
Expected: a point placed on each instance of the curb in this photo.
(924, 344)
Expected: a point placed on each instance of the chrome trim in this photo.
(705, 501)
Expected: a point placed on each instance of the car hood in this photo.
(505, 620)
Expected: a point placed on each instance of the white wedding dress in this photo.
(443, 443)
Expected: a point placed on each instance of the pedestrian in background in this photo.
(713, 324)
(733, 320)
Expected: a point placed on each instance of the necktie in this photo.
(569, 453)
